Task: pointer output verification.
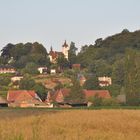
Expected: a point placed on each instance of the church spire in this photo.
(51, 49)
(65, 44)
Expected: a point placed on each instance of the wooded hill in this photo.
(107, 52)
(106, 57)
(117, 56)
(20, 54)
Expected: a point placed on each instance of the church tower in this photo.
(65, 50)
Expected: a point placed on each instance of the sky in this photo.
(51, 22)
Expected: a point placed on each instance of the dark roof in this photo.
(65, 44)
(6, 66)
(54, 54)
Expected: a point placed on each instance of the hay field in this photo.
(70, 125)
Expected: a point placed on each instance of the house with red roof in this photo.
(24, 98)
(59, 95)
(99, 93)
(76, 66)
(82, 79)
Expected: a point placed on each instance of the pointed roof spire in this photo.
(65, 44)
(51, 49)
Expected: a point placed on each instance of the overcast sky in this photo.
(50, 22)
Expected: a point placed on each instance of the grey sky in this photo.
(50, 22)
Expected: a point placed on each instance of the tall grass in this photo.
(72, 125)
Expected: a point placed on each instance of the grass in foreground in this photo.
(70, 125)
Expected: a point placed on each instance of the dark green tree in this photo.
(27, 83)
(62, 62)
(132, 77)
(72, 53)
(98, 42)
(118, 72)
(92, 83)
(31, 68)
(4, 80)
(6, 51)
(76, 94)
(41, 91)
(25, 53)
(96, 100)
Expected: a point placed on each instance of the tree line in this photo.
(117, 56)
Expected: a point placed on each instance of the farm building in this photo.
(3, 102)
(23, 98)
(59, 96)
(7, 69)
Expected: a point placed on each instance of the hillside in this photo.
(50, 81)
(110, 49)
(107, 57)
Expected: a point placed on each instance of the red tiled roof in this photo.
(104, 82)
(65, 92)
(88, 93)
(54, 54)
(14, 94)
(76, 65)
(100, 93)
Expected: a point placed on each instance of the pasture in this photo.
(42, 124)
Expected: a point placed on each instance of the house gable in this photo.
(59, 97)
(23, 96)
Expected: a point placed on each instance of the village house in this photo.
(105, 81)
(82, 79)
(100, 93)
(16, 78)
(3, 102)
(43, 70)
(7, 69)
(53, 71)
(59, 95)
(24, 98)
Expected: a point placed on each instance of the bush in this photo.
(96, 100)
(113, 89)
(27, 83)
(31, 68)
(109, 102)
(4, 80)
(41, 91)
(69, 73)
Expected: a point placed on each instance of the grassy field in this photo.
(28, 124)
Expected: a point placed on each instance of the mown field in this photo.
(28, 124)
